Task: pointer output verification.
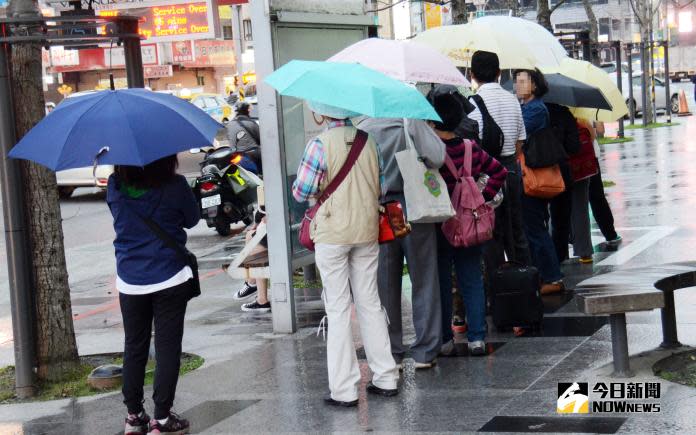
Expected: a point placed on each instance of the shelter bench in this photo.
(617, 293)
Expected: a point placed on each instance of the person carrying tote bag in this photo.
(427, 200)
(460, 238)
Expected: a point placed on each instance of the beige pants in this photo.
(344, 268)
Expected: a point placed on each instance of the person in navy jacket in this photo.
(154, 284)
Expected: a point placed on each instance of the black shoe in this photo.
(137, 424)
(374, 389)
(245, 292)
(329, 401)
(256, 307)
(174, 425)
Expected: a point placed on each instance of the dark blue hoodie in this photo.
(141, 257)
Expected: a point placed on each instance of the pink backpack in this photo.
(474, 220)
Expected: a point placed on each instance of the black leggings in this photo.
(600, 208)
(167, 308)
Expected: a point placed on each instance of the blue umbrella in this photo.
(352, 87)
(124, 127)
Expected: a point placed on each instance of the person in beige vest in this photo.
(345, 231)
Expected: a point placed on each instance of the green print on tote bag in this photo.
(432, 183)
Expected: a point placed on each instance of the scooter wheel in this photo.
(223, 228)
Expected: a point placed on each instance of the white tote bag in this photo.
(427, 200)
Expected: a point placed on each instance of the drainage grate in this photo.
(533, 424)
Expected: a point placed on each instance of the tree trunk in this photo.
(544, 15)
(459, 13)
(592, 20)
(56, 349)
(646, 11)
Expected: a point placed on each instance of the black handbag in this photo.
(543, 149)
(188, 257)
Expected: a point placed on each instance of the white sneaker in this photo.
(477, 348)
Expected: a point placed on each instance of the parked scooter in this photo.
(225, 189)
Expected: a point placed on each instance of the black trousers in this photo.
(561, 208)
(508, 235)
(600, 208)
(167, 308)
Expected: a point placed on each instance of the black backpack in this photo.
(492, 137)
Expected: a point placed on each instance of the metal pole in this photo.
(237, 38)
(629, 56)
(668, 94)
(586, 49)
(670, 339)
(16, 240)
(133, 55)
(619, 346)
(310, 273)
(619, 78)
(644, 83)
(653, 117)
(275, 182)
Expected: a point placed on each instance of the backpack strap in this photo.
(358, 145)
(450, 166)
(481, 106)
(468, 154)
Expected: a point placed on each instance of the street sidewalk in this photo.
(255, 381)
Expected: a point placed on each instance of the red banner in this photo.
(102, 59)
(182, 52)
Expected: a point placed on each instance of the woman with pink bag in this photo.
(465, 260)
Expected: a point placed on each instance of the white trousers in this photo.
(344, 268)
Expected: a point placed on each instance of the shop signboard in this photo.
(212, 53)
(62, 57)
(157, 71)
(93, 59)
(168, 20)
(116, 57)
(182, 51)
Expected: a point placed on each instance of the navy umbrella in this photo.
(572, 93)
(123, 127)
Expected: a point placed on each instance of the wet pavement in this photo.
(255, 381)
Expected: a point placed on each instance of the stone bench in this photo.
(617, 293)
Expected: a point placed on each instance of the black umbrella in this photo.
(570, 92)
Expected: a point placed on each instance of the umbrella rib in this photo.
(135, 142)
(72, 129)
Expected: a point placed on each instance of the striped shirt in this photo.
(481, 162)
(313, 167)
(505, 110)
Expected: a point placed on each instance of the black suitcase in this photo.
(515, 291)
(516, 297)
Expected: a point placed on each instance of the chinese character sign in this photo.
(212, 53)
(182, 51)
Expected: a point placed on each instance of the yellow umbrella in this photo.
(519, 43)
(591, 75)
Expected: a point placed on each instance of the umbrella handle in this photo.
(101, 152)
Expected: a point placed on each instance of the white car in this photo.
(71, 179)
(636, 105)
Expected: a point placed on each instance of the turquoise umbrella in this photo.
(352, 87)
